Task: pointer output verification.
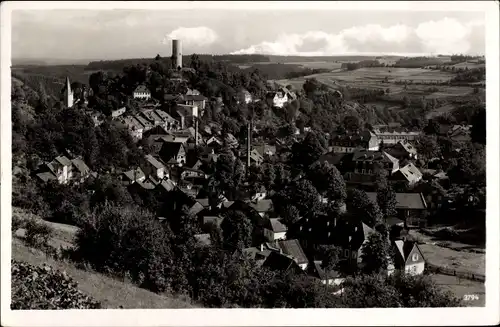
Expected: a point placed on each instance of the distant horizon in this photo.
(88, 60)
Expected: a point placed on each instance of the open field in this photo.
(469, 65)
(112, 293)
(457, 256)
(462, 287)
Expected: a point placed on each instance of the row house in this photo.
(392, 137)
(352, 141)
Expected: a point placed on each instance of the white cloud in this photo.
(446, 36)
(196, 36)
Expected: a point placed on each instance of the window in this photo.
(414, 257)
(346, 253)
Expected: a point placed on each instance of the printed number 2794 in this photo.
(471, 297)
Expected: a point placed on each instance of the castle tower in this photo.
(68, 94)
(176, 54)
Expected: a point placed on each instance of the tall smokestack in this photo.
(249, 144)
(176, 54)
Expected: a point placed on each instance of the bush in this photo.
(17, 223)
(118, 240)
(35, 288)
(37, 233)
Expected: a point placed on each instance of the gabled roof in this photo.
(151, 115)
(405, 247)
(81, 166)
(143, 121)
(154, 162)
(167, 185)
(166, 117)
(334, 158)
(411, 173)
(170, 149)
(146, 184)
(141, 89)
(277, 226)
(63, 160)
(380, 156)
(321, 274)
(204, 202)
(408, 147)
(46, 176)
(293, 249)
(133, 175)
(404, 200)
(196, 208)
(265, 205)
(277, 261)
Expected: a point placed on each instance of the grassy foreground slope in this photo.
(110, 292)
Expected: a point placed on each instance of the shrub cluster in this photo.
(46, 289)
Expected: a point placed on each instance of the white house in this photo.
(409, 257)
(136, 129)
(142, 92)
(275, 230)
(279, 98)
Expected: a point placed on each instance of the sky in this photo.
(132, 33)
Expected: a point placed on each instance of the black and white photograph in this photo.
(219, 158)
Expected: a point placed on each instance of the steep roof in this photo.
(81, 166)
(63, 160)
(411, 173)
(153, 161)
(170, 149)
(277, 226)
(277, 261)
(293, 249)
(134, 174)
(196, 208)
(165, 116)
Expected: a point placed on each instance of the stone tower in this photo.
(176, 54)
(68, 94)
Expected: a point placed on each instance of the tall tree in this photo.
(328, 181)
(375, 254)
(237, 230)
(386, 199)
